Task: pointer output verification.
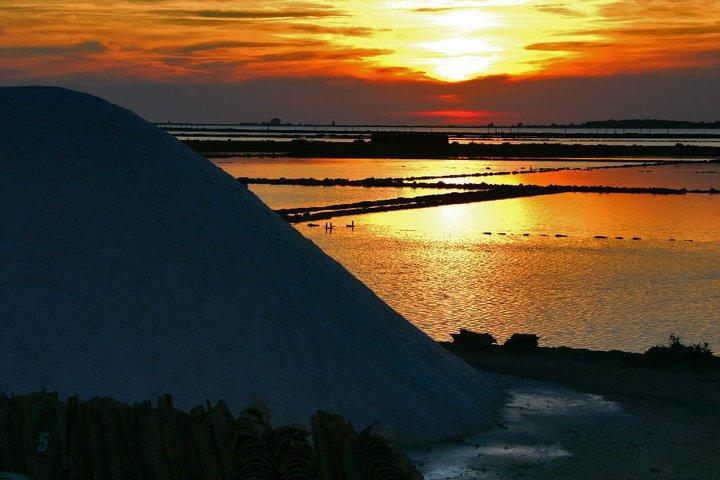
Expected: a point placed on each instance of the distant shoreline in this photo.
(611, 372)
(363, 149)
(661, 418)
(615, 125)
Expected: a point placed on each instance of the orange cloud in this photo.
(439, 40)
(639, 36)
(450, 98)
(560, 9)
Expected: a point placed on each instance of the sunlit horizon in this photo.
(437, 45)
(435, 40)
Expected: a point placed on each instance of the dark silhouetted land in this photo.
(476, 193)
(365, 149)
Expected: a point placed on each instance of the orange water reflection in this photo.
(669, 176)
(581, 215)
(289, 196)
(359, 168)
(438, 268)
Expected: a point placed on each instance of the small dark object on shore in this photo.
(676, 350)
(468, 337)
(522, 341)
(560, 235)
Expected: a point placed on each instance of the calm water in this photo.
(360, 168)
(437, 268)
(288, 196)
(698, 176)
(493, 135)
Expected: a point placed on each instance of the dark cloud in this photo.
(432, 9)
(559, 9)
(205, 46)
(664, 31)
(567, 46)
(323, 29)
(398, 72)
(24, 51)
(318, 54)
(710, 55)
(672, 10)
(249, 14)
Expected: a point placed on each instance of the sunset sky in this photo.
(378, 61)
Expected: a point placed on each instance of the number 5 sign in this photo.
(43, 442)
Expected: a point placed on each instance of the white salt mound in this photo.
(131, 266)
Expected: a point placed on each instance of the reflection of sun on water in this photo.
(451, 216)
(436, 267)
(455, 223)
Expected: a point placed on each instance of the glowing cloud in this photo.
(426, 40)
(457, 116)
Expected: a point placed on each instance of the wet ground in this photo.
(546, 431)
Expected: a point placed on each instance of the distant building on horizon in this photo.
(274, 122)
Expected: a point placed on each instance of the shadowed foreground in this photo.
(638, 418)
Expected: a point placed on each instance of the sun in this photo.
(460, 40)
(443, 40)
(461, 68)
(467, 21)
(456, 59)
